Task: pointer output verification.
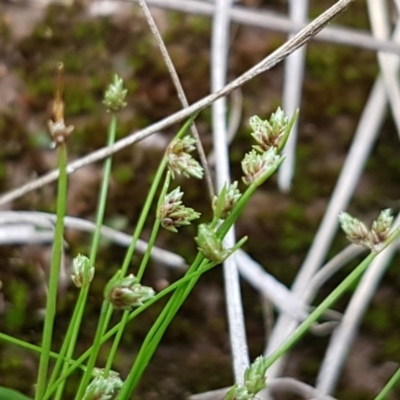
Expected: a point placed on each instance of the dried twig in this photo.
(181, 94)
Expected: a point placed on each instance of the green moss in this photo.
(355, 16)
(123, 174)
(199, 25)
(391, 346)
(3, 171)
(41, 87)
(17, 295)
(309, 367)
(83, 49)
(92, 135)
(330, 71)
(79, 100)
(353, 394)
(295, 231)
(5, 31)
(40, 140)
(42, 32)
(73, 63)
(90, 31)
(14, 139)
(378, 320)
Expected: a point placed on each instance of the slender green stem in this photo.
(155, 229)
(140, 273)
(54, 272)
(154, 336)
(117, 340)
(389, 386)
(65, 349)
(150, 246)
(108, 312)
(158, 329)
(29, 346)
(104, 315)
(124, 269)
(101, 206)
(76, 319)
(236, 211)
(149, 201)
(143, 216)
(132, 246)
(152, 341)
(396, 377)
(75, 364)
(320, 310)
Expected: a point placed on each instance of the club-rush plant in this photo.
(125, 292)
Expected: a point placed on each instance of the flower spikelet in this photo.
(126, 293)
(254, 382)
(356, 232)
(380, 229)
(210, 245)
(226, 200)
(115, 95)
(374, 238)
(269, 133)
(180, 161)
(173, 214)
(254, 377)
(103, 388)
(256, 165)
(82, 271)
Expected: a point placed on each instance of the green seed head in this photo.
(126, 293)
(115, 95)
(82, 271)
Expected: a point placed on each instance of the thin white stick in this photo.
(292, 89)
(346, 332)
(292, 385)
(280, 23)
(47, 221)
(219, 61)
(364, 138)
(277, 293)
(380, 25)
(329, 269)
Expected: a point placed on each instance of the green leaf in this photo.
(9, 394)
